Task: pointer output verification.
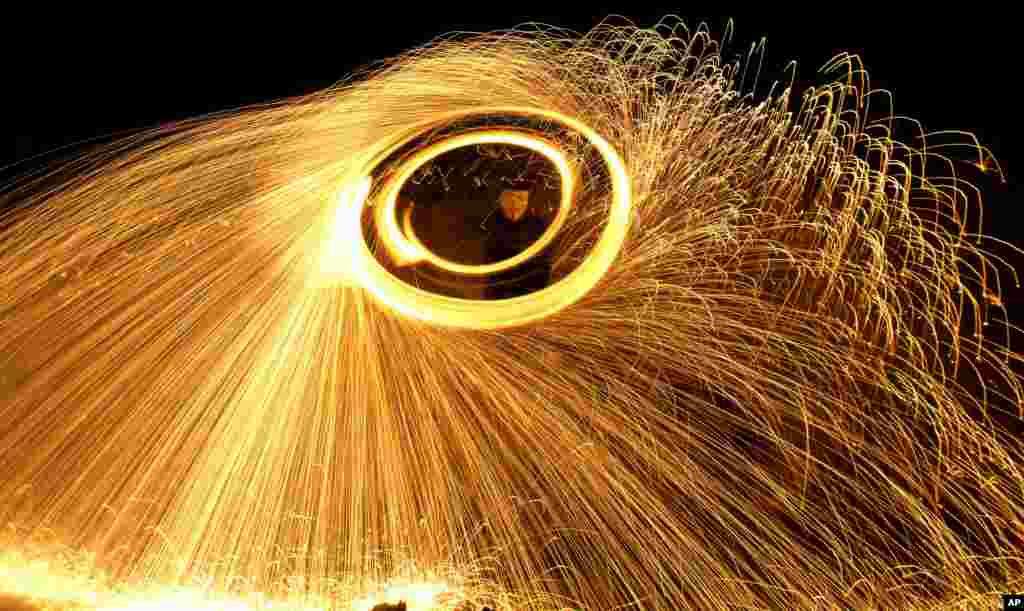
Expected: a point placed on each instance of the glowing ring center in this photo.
(409, 301)
(405, 249)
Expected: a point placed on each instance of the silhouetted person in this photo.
(514, 230)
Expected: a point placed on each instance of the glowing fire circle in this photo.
(364, 270)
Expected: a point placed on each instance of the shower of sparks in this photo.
(786, 386)
(38, 581)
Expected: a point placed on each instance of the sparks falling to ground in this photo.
(769, 367)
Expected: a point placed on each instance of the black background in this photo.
(70, 78)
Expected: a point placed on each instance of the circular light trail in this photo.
(431, 308)
(406, 249)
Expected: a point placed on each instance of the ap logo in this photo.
(1013, 601)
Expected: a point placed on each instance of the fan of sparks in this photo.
(770, 367)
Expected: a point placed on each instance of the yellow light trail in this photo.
(406, 250)
(449, 311)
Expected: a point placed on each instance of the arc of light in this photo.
(364, 270)
(405, 249)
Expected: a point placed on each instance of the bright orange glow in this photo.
(337, 257)
(50, 583)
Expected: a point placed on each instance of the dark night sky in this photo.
(953, 71)
(99, 75)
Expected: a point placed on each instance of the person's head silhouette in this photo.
(514, 204)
